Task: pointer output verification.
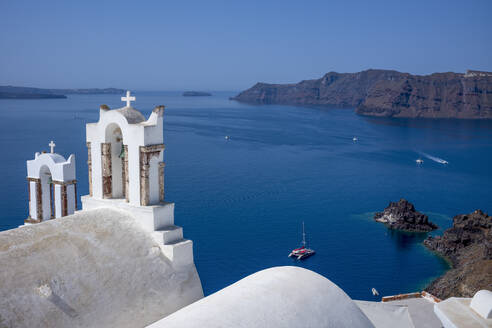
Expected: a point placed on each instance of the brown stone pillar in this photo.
(89, 164)
(146, 153)
(161, 181)
(39, 200)
(64, 200)
(75, 192)
(106, 170)
(144, 178)
(126, 178)
(29, 195)
(52, 206)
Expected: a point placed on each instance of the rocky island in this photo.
(196, 94)
(16, 95)
(402, 215)
(386, 93)
(468, 245)
(12, 92)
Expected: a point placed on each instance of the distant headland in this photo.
(386, 93)
(12, 92)
(196, 94)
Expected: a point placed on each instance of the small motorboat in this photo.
(302, 252)
(354, 139)
(227, 137)
(374, 292)
(419, 161)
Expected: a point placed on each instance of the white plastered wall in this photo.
(154, 180)
(71, 199)
(58, 202)
(46, 195)
(33, 210)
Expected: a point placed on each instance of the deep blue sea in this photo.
(242, 200)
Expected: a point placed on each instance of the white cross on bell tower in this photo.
(52, 146)
(128, 99)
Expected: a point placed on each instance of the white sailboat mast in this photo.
(303, 235)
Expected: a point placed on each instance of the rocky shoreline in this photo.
(402, 215)
(468, 245)
(386, 93)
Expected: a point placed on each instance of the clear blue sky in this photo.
(230, 45)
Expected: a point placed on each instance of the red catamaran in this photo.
(302, 252)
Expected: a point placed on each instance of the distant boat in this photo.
(227, 137)
(302, 252)
(435, 159)
(419, 161)
(354, 139)
(374, 292)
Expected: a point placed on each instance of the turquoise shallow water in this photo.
(242, 200)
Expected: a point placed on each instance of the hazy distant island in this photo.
(196, 94)
(386, 93)
(15, 95)
(12, 92)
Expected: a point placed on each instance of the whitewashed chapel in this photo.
(126, 155)
(126, 170)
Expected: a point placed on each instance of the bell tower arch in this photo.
(52, 186)
(125, 151)
(126, 170)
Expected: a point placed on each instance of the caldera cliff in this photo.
(386, 93)
(468, 245)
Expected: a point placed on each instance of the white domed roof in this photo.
(132, 115)
(276, 297)
(57, 158)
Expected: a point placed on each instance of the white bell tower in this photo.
(52, 186)
(126, 170)
(126, 154)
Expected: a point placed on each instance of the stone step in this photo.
(152, 217)
(168, 235)
(179, 252)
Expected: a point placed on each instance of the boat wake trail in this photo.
(435, 159)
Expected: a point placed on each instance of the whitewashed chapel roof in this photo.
(61, 169)
(56, 158)
(132, 115)
(276, 297)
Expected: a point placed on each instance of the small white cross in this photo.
(128, 99)
(52, 145)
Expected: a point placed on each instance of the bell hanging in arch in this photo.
(122, 153)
